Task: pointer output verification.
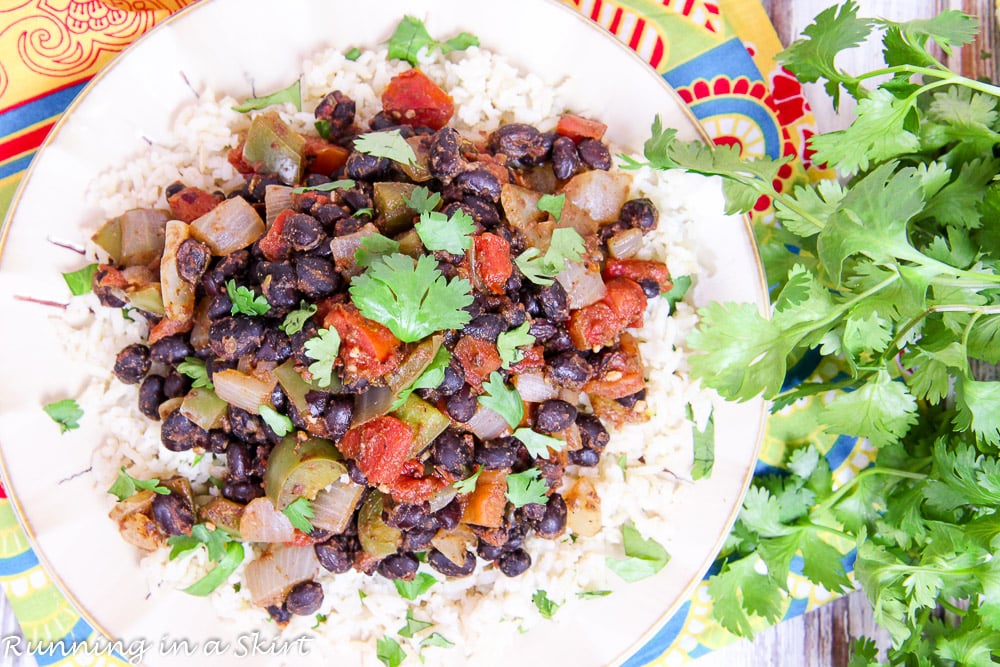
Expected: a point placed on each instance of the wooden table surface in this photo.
(821, 638)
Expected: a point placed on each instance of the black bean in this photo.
(482, 210)
(364, 166)
(242, 492)
(565, 158)
(449, 516)
(305, 598)
(480, 183)
(173, 189)
(399, 566)
(338, 110)
(418, 539)
(445, 566)
(485, 327)
(559, 343)
(328, 214)
(630, 400)
(257, 185)
(585, 457)
(339, 412)
(192, 260)
(233, 264)
(570, 369)
(278, 285)
(246, 426)
(316, 277)
(275, 346)
(488, 551)
(514, 563)
(233, 337)
(333, 557)
(173, 514)
(218, 441)
(461, 405)
(594, 154)
(452, 451)
(150, 396)
(454, 378)
(220, 306)
(520, 142)
(302, 232)
(443, 157)
(407, 515)
(555, 303)
(515, 539)
(650, 287)
(542, 329)
(593, 434)
(280, 615)
(239, 461)
(171, 350)
(640, 214)
(553, 522)
(495, 455)
(554, 415)
(354, 472)
(176, 385)
(179, 434)
(132, 363)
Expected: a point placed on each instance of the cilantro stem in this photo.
(848, 486)
(837, 313)
(978, 311)
(786, 398)
(820, 528)
(944, 75)
(954, 609)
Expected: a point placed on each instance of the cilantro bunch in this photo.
(888, 274)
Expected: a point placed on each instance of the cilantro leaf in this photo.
(388, 144)
(230, 561)
(677, 292)
(537, 444)
(126, 486)
(754, 592)
(436, 639)
(977, 411)
(704, 450)
(586, 595)
(438, 231)
(413, 301)
(881, 410)
(468, 485)
(411, 36)
(552, 204)
(194, 368)
(340, 184)
(430, 378)
(295, 320)
(508, 343)
(66, 413)
(906, 42)
(324, 348)
(279, 423)
(643, 557)
(292, 95)
(245, 302)
(352, 53)
(500, 398)
(546, 607)
(411, 590)
(81, 280)
(413, 626)
(373, 247)
(213, 539)
(566, 246)
(389, 652)
(422, 200)
(299, 512)
(526, 488)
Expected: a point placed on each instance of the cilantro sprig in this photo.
(194, 368)
(566, 246)
(292, 94)
(225, 551)
(411, 36)
(438, 231)
(245, 302)
(386, 143)
(66, 413)
(126, 486)
(300, 513)
(526, 488)
(500, 398)
(324, 348)
(411, 298)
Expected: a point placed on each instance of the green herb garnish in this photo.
(299, 512)
(566, 246)
(413, 626)
(126, 486)
(468, 485)
(422, 200)
(80, 281)
(502, 399)
(352, 53)
(66, 413)
(526, 488)
(279, 423)
(643, 557)
(436, 639)
(292, 95)
(552, 204)
(324, 348)
(295, 320)
(194, 368)
(510, 342)
(411, 36)
(537, 444)
(388, 144)
(411, 590)
(245, 302)
(546, 607)
(438, 231)
(704, 448)
(373, 247)
(430, 378)
(389, 652)
(341, 184)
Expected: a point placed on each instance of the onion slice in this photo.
(277, 198)
(487, 423)
(261, 522)
(247, 392)
(583, 287)
(625, 244)
(334, 506)
(533, 387)
(232, 225)
(269, 578)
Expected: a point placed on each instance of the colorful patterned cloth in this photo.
(719, 55)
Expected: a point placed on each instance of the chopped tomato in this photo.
(166, 327)
(593, 326)
(639, 269)
(627, 301)
(235, 158)
(380, 447)
(108, 276)
(191, 203)
(479, 358)
(534, 357)
(620, 372)
(273, 244)
(368, 350)
(300, 539)
(577, 127)
(487, 502)
(323, 157)
(413, 486)
(492, 261)
(413, 99)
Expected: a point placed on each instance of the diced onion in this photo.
(583, 508)
(455, 544)
(169, 405)
(269, 578)
(599, 193)
(533, 388)
(142, 232)
(178, 294)
(261, 522)
(441, 499)
(343, 249)
(375, 402)
(625, 244)
(232, 225)
(247, 392)
(277, 198)
(487, 424)
(582, 287)
(334, 506)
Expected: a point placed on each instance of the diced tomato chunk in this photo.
(380, 447)
(620, 372)
(367, 349)
(413, 99)
(487, 502)
(593, 326)
(479, 358)
(235, 158)
(190, 204)
(323, 157)
(627, 301)
(534, 357)
(273, 244)
(492, 261)
(413, 486)
(639, 269)
(166, 327)
(578, 128)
